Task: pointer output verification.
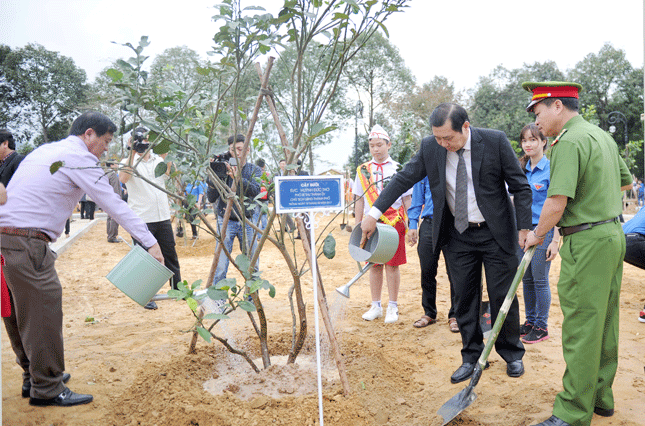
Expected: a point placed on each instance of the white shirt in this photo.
(149, 203)
(452, 160)
(389, 167)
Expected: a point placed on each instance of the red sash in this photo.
(6, 304)
(391, 216)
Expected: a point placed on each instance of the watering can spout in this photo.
(344, 290)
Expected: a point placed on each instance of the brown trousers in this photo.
(35, 327)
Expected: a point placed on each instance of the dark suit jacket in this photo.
(494, 164)
(9, 166)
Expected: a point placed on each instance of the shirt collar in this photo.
(468, 141)
(540, 165)
(388, 160)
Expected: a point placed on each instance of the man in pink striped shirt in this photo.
(38, 204)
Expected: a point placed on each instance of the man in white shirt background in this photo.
(148, 202)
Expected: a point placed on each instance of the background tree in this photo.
(499, 102)
(52, 88)
(379, 76)
(11, 98)
(291, 104)
(600, 76)
(177, 65)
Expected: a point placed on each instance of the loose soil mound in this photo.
(135, 362)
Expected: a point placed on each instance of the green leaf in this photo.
(216, 316)
(114, 74)
(243, 262)
(203, 71)
(195, 285)
(161, 169)
(204, 333)
(192, 303)
(216, 294)
(176, 294)
(225, 284)
(255, 285)
(270, 287)
(339, 15)
(329, 246)
(246, 305)
(55, 166)
(318, 130)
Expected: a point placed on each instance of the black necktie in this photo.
(461, 194)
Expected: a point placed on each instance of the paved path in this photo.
(77, 228)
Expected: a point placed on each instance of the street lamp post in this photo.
(358, 114)
(612, 119)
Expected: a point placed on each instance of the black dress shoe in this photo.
(464, 372)
(67, 398)
(553, 421)
(26, 387)
(515, 368)
(605, 412)
(151, 305)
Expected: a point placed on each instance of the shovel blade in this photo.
(457, 404)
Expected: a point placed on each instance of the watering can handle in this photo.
(123, 239)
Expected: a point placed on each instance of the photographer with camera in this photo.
(225, 167)
(148, 202)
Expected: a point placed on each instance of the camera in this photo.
(219, 164)
(139, 143)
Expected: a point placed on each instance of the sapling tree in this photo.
(188, 131)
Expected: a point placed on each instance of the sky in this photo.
(461, 40)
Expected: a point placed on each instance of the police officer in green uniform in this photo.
(584, 200)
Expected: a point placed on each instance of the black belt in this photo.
(568, 230)
(25, 232)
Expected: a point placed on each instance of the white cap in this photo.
(378, 133)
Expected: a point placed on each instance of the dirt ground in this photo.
(136, 363)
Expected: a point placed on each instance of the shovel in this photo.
(463, 399)
(343, 225)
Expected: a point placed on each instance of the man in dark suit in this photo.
(9, 158)
(469, 170)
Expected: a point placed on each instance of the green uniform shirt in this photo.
(587, 168)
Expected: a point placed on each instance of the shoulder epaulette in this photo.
(557, 138)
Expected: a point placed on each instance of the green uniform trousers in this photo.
(589, 289)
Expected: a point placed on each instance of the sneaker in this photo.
(392, 315)
(641, 317)
(536, 335)
(525, 328)
(373, 313)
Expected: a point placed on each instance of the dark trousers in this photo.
(429, 259)
(90, 206)
(465, 253)
(112, 229)
(162, 231)
(635, 253)
(189, 217)
(35, 327)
